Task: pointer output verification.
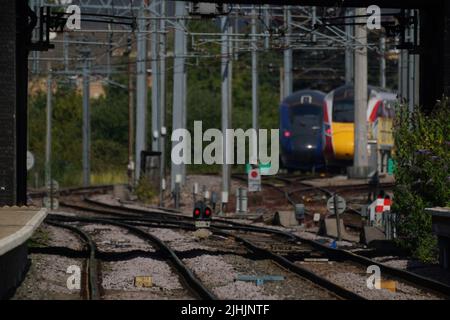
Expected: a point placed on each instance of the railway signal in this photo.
(254, 180)
(202, 215)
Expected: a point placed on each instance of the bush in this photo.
(145, 191)
(422, 157)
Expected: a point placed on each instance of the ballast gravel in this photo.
(120, 275)
(47, 279)
(115, 239)
(354, 278)
(57, 237)
(178, 241)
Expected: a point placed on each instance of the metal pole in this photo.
(48, 142)
(287, 52)
(349, 54)
(313, 23)
(255, 82)
(281, 84)
(162, 99)
(109, 55)
(155, 82)
(404, 74)
(411, 73)
(184, 104)
(141, 92)
(86, 121)
(225, 105)
(338, 220)
(236, 43)
(267, 26)
(382, 62)
(130, 117)
(361, 162)
(65, 52)
(178, 87)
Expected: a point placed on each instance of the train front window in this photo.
(306, 119)
(343, 111)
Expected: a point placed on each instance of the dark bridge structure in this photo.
(17, 22)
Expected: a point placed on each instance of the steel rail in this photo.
(412, 278)
(189, 278)
(317, 280)
(92, 287)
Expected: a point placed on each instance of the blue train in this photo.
(301, 131)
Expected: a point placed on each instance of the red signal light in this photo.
(197, 212)
(254, 174)
(287, 134)
(208, 212)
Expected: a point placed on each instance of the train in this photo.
(317, 129)
(301, 131)
(339, 111)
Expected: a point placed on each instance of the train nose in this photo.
(343, 141)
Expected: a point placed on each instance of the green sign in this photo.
(391, 166)
(264, 168)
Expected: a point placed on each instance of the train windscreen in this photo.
(306, 120)
(343, 111)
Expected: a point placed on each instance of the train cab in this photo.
(301, 130)
(339, 113)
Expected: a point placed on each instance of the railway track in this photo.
(192, 283)
(91, 287)
(74, 191)
(294, 186)
(238, 231)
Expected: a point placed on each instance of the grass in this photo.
(40, 238)
(75, 178)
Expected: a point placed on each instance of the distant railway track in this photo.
(229, 228)
(74, 191)
(289, 193)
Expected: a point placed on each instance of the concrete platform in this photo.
(17, 225)
(338, 181)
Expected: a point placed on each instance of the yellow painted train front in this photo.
(339, 112)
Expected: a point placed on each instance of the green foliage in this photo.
(146, 191)
(109, 139)
(422, 173)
